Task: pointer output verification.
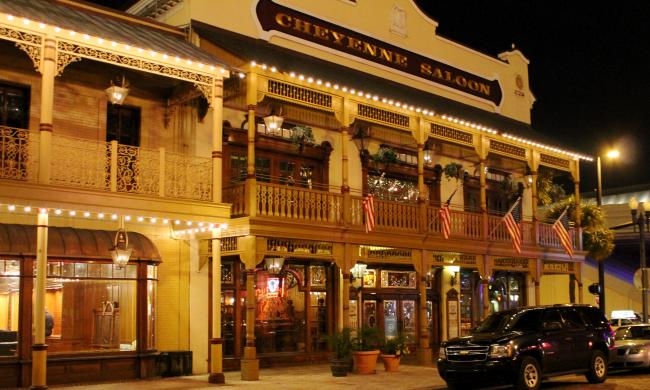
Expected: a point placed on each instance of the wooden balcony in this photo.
(294, 204)
(106, 166)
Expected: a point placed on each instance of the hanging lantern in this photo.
(273, 122)
(117, 93)
(121, 252)
(274, 264)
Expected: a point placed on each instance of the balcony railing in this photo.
(300, 204)
(106, 166)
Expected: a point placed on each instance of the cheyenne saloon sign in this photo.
(279, 18)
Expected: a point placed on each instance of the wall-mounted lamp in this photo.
(117, 93)
(360, 140)
(453, 270)
(121, 252)
(273, 122)
(356, 274)
(274, 264)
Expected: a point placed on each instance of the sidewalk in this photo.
(410, 377)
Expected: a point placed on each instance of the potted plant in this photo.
(392, 350)
(453, 170)
(365, 349)
(341, 345)
(385, 155)
(301, 135)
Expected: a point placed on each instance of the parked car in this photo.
(525, 345)
(624, 317)
(632, 347)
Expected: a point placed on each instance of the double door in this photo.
(393, 313)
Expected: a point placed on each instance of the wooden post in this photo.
(216, 342)
(483, 195)
(39, 348)
(424, 349)
(345, 176)
(48, 71)
(250, 363)
(217, 141)
(251, 182)
(422, 201)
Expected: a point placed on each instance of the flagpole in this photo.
(504, 216)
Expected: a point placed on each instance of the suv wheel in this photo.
(530, 374)
(597, 368)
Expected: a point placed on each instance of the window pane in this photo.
(131, 271)
(94, 270)
(152, 286)
(67, 269)
(91, 315)
(9, 296)
(80, 270)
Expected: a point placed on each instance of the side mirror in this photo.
(552, 325)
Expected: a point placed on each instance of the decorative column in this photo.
(250, 365)
(483, 195)
(425, 357)
(216, 342)
(48, 71)
(485, 284)
(345, 176)
(422, 204)
(39, 348)
(217, 141)
(251, 182)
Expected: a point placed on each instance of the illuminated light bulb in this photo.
(418, 110)
(202, 230)
(140, 50)
(344, 89)
(253, 64)
(200, 224)
(292, 75)
(10, 17)
(336, 86)
(57, 211)
(72, 213)
(11, 207)
(25, 21)
(328, 84)
(57, 29)
(310, 80)
(86, 36)
(241, 75)
(398, 104)
(113, 43)
(42, 211)
(189, 223)
(353, 91)
(86, 214)
(177, 222)
(301, 77)
(462, 122)
(425, 112)
(177, 58)
(140, 219)
(210, 226)
(127, 47)
(28, 209)
(152, 53)
(224, 226)
(41, 25)
(100, 215)
(391, 102)
(384, 100)
(114, 216)
(165, 56)
(165, 221)
(127, 217)
(274, 69)
(375, 98)
(72, 33)
(319, 82)
(264, 66)
(100, 40)
(153, 220)
(196, 230)
(189, 62)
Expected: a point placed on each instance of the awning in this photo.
(110, 25)
(67, 242)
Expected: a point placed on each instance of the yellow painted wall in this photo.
(373, 18)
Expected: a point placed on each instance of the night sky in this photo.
(589, 71)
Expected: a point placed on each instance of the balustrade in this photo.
(235, 195)
(18, 154)
(295, 203)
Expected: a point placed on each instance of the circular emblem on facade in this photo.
(519, 81)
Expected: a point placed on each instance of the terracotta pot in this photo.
(365, 362)
(391, 363)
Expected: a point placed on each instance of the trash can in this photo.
(175, 363)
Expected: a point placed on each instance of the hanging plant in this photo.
(453, 170)
(510, 187)
(385, 155)
(301, 135)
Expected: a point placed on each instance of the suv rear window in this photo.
(526, 321)
(595, 317)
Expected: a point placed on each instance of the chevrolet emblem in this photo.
(464, 352)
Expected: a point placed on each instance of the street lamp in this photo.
(611, 154)
(641, 217)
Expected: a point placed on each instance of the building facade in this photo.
(278, 118)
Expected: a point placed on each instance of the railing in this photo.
(463, 224)
(235, 194)
(396, 215)
(548, 238)
(106, 166)
(282, 201)
(496, 229)
(18, 154)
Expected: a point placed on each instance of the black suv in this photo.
(524, 345)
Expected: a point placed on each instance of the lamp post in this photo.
(641, 217)
(612, 154)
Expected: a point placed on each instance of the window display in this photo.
(9, 298)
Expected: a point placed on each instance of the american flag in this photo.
(369, 212)
(445, 217)
(511, 220)
(560, 226)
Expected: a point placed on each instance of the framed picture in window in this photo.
(318, 276)
(226, 273)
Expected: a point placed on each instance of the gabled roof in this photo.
(110, 25)
(251, 49)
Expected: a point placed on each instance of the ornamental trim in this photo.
(32, 44)
(508, 149)
(452, 134)
(554, 161)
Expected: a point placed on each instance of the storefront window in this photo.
(93, 307)
(9, 297)
(469, 300)
(507, 291)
